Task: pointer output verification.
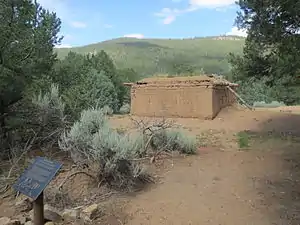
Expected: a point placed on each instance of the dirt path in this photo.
(260, 186)
(221, 185)
(218, 188)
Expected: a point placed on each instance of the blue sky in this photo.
(91, 21)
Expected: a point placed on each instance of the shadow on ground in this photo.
(280, 190)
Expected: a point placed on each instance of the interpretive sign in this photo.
(36, 177)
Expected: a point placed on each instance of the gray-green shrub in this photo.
(272, 104)
(48, 115)
(125, 109)
(174, 140)
(91, 139)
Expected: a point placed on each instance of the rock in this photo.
(4, 220)
(52, 214)
(91, 212)
(49, 223)
(8, 221)
(14, 222)
(71, 214)
(23, 219)
(29, 223)
(24, 205)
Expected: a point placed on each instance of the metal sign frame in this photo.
(36, 177)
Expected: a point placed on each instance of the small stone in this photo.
(4, 220)
(8, 221)
(92, 212)
(23, 218)
(24, 205)
(49, 223)
(29, 223)
(71, 214)
(14, 222)
(52, 214)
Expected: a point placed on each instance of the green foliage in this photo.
(280, 32)
(125, 109)
(92, 80)
(92, 139)
(49, 114)
(271, 52)
(28, 34)
(150, 56)
(70, 71)
(253, 90)
(243, 139)
(263, 104)
(174, 140)
(96, 90)
(49, 104)
(107, 110)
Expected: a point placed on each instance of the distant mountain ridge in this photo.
(149, 56)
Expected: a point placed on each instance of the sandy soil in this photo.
(221, 184)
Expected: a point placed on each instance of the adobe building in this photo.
(187, 97)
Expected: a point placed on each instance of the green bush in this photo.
(174, 140)
(91, 139)
(48, 117)
(96, 90)
(107, 110)
(253, 90)
(125, 109)
(263, 104)
(243, 139)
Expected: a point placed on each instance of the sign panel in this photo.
(36, 177)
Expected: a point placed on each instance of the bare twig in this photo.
(27, 147)
(150, 129)
(148, 142)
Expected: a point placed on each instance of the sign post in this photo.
(38, 210)
(33, 182)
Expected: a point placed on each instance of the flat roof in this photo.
(202, 79)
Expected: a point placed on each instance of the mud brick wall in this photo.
(223, 97)
(172, 101)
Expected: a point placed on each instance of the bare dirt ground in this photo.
(226, 185)
(222, 184)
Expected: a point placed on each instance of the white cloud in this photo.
(211, 3)
(236, 32)
(169, 15)
(78, 24)
(138, 36)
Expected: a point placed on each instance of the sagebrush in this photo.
(174, 140)
(92, 140)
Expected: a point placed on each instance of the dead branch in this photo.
(27, 147)
(152, 126)
(148, 142)
(74, 174)
(150, 129)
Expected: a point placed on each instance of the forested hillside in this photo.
(150, 56)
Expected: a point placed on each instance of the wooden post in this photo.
(38, 210)
(240, 98)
